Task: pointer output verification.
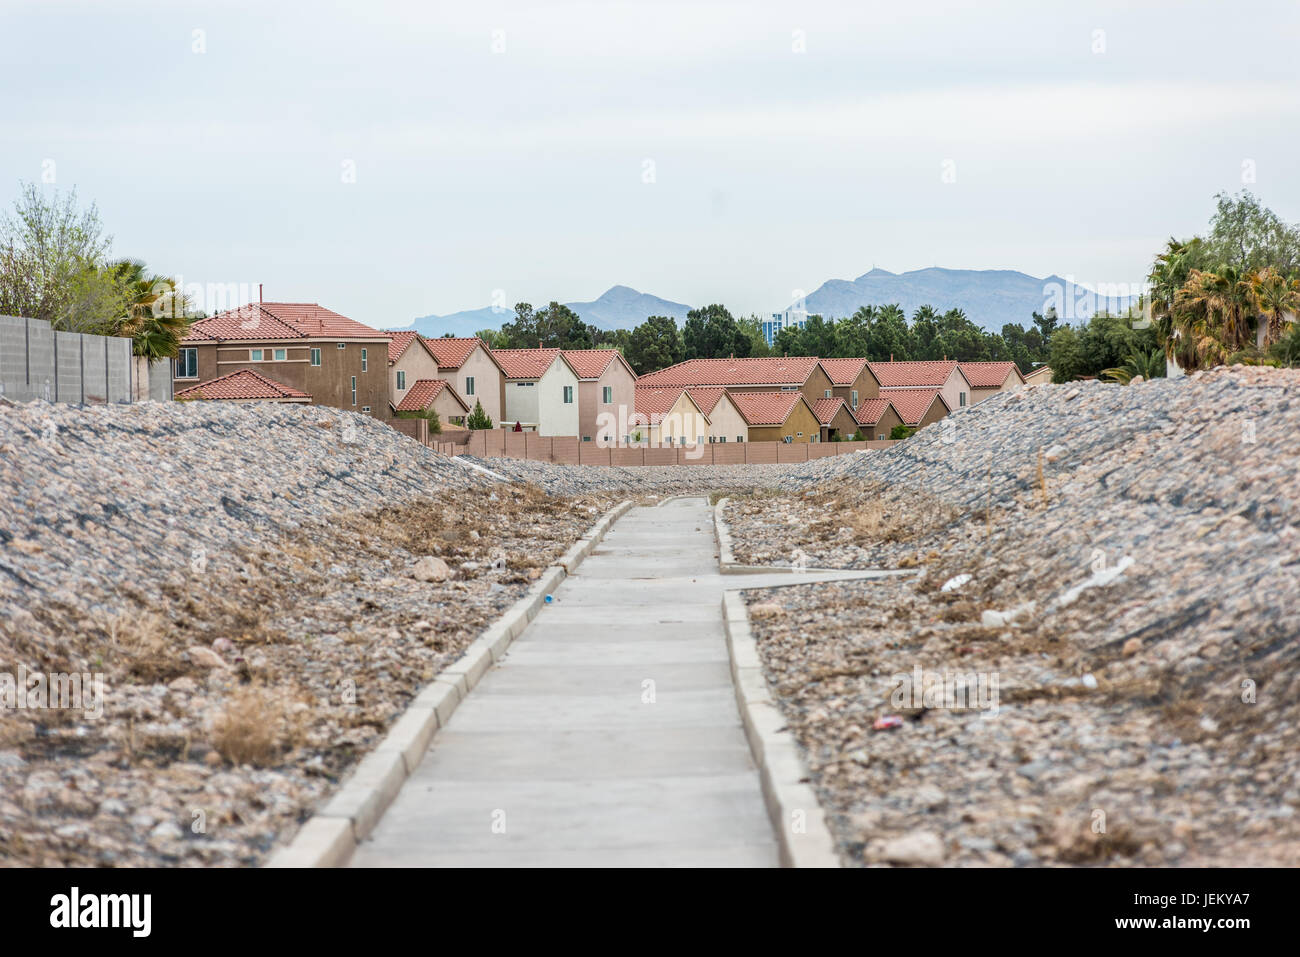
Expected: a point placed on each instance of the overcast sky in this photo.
(703, 152)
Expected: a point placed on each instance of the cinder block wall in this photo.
(38, 363)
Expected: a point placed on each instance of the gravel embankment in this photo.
(1136, 604)
(262, 589)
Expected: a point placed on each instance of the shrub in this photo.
(431, 414)
(478, 419)
(902, 432)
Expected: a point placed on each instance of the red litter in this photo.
(887, 722)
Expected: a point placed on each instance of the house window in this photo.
(699, 440)
(342, 345)
(740, 438)
(365, 409)
(800, 434)
(855, 398)
(525, 384)
(364, 358)
(469, 385)
(187, 364)
(880, 436)
(281, 354)
(827, 395)
(568, 395)
(722, 438)
(668, 439)
(401, 379)
(961, 399)
(254, 355)
(586, 438)
(607, 394)
(315, 357)
(788, 439)
(354, 390)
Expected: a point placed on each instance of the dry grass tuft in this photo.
(251, 729)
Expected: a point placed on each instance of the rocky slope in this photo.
(1123, 561)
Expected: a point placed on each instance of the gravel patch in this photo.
(1135, 601)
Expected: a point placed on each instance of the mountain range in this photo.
(989, 297)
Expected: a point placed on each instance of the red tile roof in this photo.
(870, 411)
(843, 371)
(592, 363)
(525, 363)
(279, 320)
(912, 404)
(825, 409)
(654, 402)
(912, 375)
(706, 397)
(400, 340)
(794, 370)
(766, 408)
(988, 375)
(422, 395)
(451, 353)
(243, 384)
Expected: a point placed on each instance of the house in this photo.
(668, 415)
(918, 407)
(990, 378)
(301, 346)
(436, 394)
(473, 370)
(877, 419)
(726, 424)
(783, 416)
(541, 391)
(835, 418)
(606, 394)
(944, 375)
(1039, 376)
(792, 374)
(851, 380)
(410, 360)
(246, 385)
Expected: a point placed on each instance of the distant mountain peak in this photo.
(618, 307)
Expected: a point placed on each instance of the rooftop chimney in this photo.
(259, 292)
(539, 343)
(891, 357)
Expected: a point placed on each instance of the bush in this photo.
(902, 432)
(478, 419)
(431, 414)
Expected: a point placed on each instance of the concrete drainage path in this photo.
(608, 735)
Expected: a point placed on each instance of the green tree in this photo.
(712, 333)
(478, 419)
(1246, 235)
(430, 415)
(53, 260)
(157, 314)
(751, 329)
(654, 344)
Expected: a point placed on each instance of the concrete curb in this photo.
(331, 835)
(802, 834)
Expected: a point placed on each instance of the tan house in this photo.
(851, 380)
(1039, 376)
(778, 416)
(990, 378)
(541, 391)
(303, 346)
(668, 416)
(436, 394)
(726, 424)
(791, 374)
(473, 370)
(877, 419)
(245, 385)
(945, 375)
(835, 418)
(606, 393)
(918, 407)
(410, 360)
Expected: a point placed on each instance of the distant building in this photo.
(792, 318)
(989, 378)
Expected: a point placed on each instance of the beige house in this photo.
(851, 380)
(410, 360)
(917, 407)
(471, 367)
(990, 378)
(783, 416)
(1039, 376)
(541, 391)
(877, 419)
(945, 376)
(436, 394)
(668, 416)
(786, 373)
(726, 424)
(835, 418)
(606, 393)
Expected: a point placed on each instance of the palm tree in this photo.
(1148, 365)
(1169, 274)
(1275, 301)
(157, 316)
(1211, 317)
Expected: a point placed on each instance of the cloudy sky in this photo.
(392, 160)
